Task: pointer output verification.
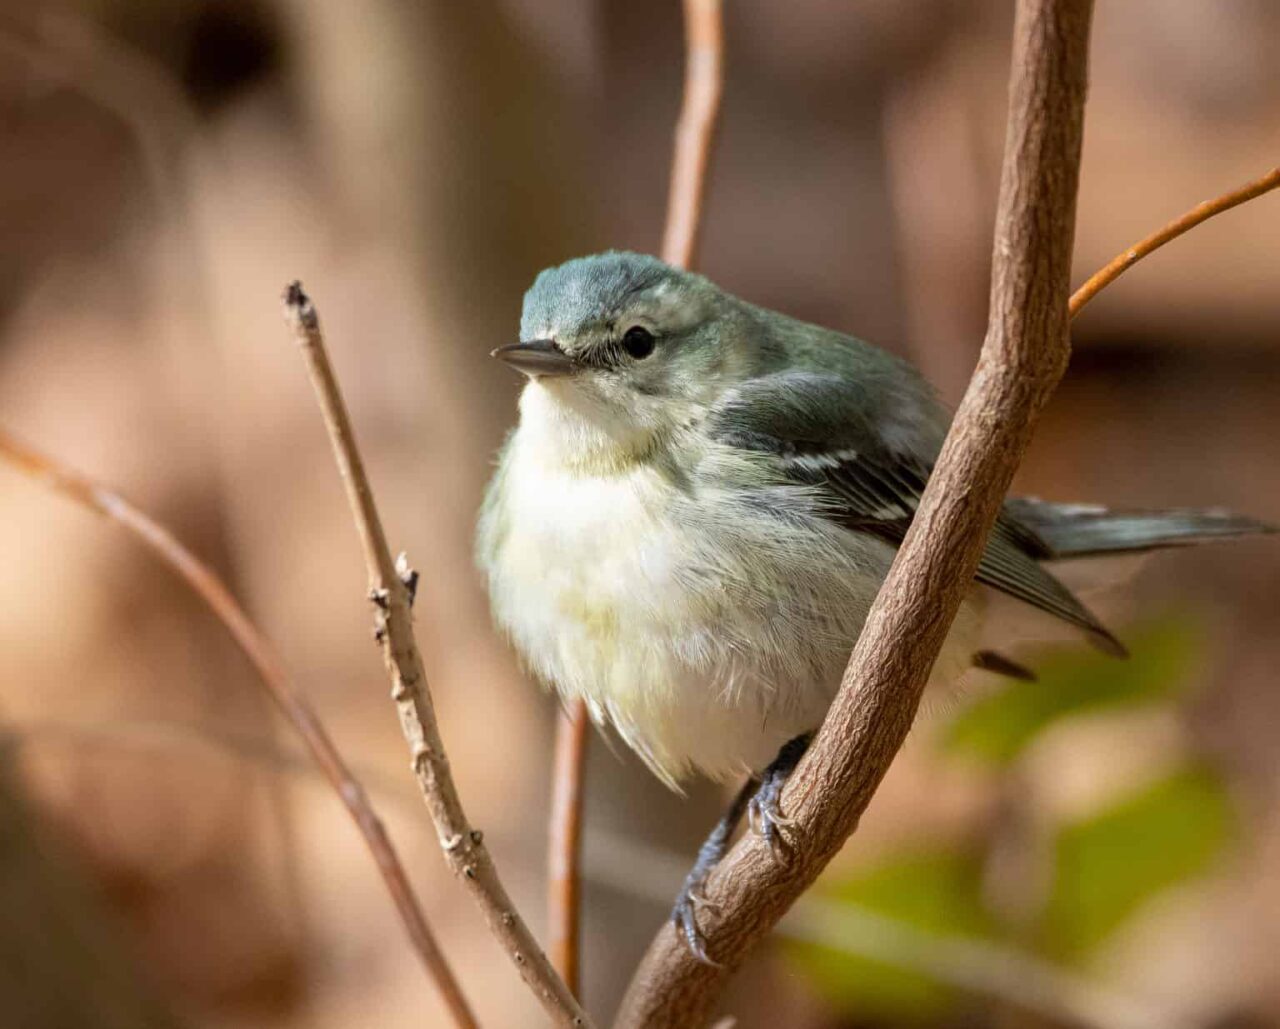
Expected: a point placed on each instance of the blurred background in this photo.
(1104, 842)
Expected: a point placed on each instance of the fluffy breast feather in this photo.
(707, 618)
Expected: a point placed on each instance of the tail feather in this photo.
(1084, 530)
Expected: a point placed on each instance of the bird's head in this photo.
(622, 349)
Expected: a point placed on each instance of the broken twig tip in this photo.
(298, 306)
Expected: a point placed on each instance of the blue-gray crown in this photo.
(591, 289)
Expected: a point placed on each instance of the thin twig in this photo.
(1023, 357)
(1201, 212)
(292, 703)
(694, 138)
(462, 845)
(695, 131)
(564, 858)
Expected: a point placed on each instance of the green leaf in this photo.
(1109, 865)
(998, 727)
(935, 890)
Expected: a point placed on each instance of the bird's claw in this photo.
(765, 817)
(685, 918)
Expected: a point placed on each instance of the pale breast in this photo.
(706, 628)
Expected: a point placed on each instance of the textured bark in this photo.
(1023, 357)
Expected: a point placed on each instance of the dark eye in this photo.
(638, 342)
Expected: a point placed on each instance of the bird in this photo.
(691, 519)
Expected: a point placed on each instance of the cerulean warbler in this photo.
(701, 499)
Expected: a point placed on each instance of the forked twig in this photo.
(292, 703)
(462, 845)
(694, 138)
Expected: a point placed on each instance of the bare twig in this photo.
(292, 703)
(695, 131)
(1022, 359)
(1201, 212)
(694, 137)
(564, 857)
(462, 845)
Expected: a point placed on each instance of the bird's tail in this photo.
(1083, 530)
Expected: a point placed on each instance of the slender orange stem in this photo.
(696, 129)
(292, 703)
(1201, 212)
(564, 872)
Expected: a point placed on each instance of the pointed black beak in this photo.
(538, 357)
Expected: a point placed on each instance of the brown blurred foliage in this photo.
(166, 167)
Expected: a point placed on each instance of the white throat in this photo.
(563, 429)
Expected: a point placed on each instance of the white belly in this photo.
(706, 635)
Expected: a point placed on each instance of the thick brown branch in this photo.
(1022, 359)
(1201, 212)
(292, 703)
(462, 845)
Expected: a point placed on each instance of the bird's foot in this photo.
(764, 811)
(765, 817)
(691, 898)
(684, 915)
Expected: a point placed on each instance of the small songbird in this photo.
(702, 497)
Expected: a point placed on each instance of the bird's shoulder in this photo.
(818, 389)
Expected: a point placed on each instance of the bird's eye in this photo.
(638, 342)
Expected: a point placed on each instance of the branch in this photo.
(463, 846)
(1022, 359)
(695, 131)
(564, 846)
(291, 702)
(694, 137)
(1201, 212)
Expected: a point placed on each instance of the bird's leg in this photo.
(763, 811)
(758, 798)
(684, 914)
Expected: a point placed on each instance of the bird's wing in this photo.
(821, 430)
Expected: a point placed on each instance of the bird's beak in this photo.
(537, 358)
